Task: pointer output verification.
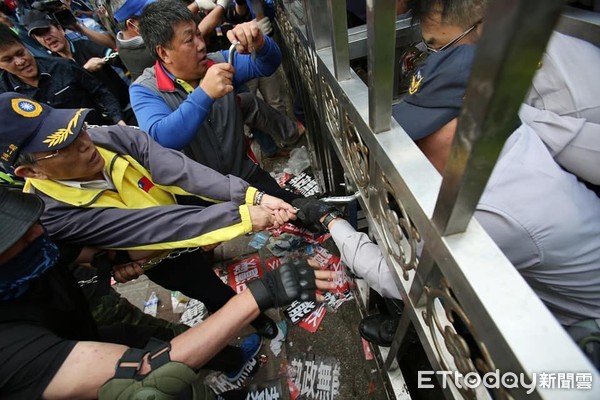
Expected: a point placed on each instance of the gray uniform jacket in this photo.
(563, 105)
(90, 217)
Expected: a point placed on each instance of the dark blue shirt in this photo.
(64, 84)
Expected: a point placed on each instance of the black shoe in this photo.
(265, 326)
(238, 394)
(379, 329)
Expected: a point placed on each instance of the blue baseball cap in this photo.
(29, 126)
(436, 92)
(130, 8)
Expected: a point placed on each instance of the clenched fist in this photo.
(218, 80)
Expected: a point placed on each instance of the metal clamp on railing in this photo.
(341, 199)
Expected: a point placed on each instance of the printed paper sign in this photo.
(304, 184)
(298, 310)
(243, 272)
(340, 279)
(295, 230)
(317, 378)
(322, 256)
(312, 322)
(195, 313)
(283, 178)
(273, 263)
(323, 238)
(333, 301)
(308, 236)
(270, 390)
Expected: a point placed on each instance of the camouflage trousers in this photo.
(112, 309)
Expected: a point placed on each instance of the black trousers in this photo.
(192, 275)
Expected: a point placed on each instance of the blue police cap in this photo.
(131, 8)
(436, 92)
(29, 126)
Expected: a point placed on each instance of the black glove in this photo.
(292, 281)
(310, 210)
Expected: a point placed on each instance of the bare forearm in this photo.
(198, 345)
(91, 364)
(103, 39)
(210, 22)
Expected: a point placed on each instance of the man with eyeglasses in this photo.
(448, 23)
(115, 188)
(555, 99)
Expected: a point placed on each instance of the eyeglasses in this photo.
(54, 154)
(453, 41)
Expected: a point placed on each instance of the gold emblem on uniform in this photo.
(9, 152)
(415, 82)
(62, 134)
(27, 108)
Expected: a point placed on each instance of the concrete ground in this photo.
(328, 364)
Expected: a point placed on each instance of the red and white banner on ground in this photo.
(243, 272)
(312, 322)
(273, 263)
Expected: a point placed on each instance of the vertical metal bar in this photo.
(423, 274)
(381, 17)
(506, 60)
(403, 326)
(339, 39)
(319, 30)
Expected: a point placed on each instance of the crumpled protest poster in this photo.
(312, 322)
(303, 184)
(195, 313)
(270, 390)
(273, 263)
(340, 279)
(243, 272)
(333, 301)
(298, 310)
(315, 377)
(322, 256)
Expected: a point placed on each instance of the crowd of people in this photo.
(166, 165)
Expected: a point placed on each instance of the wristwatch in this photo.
(330, 217)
